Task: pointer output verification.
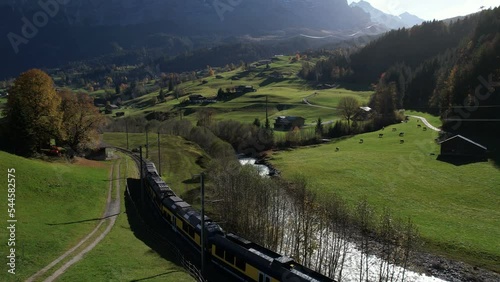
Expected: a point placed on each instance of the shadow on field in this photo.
(155, 276)
(146, 224)
(81, 221)
(496, 160)
(460, 161)
(140, 222)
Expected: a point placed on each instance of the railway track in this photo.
(160, 238)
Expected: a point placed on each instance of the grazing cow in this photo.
(361, 141)
(419, 125)
(394, 129)
(337, 149)
(380, 135)
(425, 128)
(402, 134)
(401, 141)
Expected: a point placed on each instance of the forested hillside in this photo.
(447, 68)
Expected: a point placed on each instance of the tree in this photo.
(161, 96)
(319, 128)
(154, 101)
(348, 107)
(32, 112)
(170, 85)
(384, 102)
(256, 122)
(81, 120)
(211, 71)
(220, 94)
(179, 92)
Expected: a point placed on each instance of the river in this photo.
(262, 169)
(353, 254)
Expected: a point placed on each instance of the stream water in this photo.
(353, 255)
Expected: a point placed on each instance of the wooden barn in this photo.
(288, 122)
(459, 146)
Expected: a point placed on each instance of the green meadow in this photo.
(284, 96)
(455, 207)
(121, 256)
(181, 160)
(55, 205)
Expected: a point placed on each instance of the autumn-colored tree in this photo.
(384, 101)
(348, 107)
(211, 71)
(32, 112)
(81, 120)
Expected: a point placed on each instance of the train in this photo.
(243, 259)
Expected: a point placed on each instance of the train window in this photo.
(261, 277)
(241, 264)
(229, 257)
(185, 227)
(191, 231)
(267, 279)
(219, 251)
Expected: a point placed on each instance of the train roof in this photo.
(263, 257)
(192, 216)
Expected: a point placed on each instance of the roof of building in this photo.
(466, 139)
(290, 118)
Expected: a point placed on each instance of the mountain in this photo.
(48, 34)
(390, 21)
(212, 15)
(410, 20)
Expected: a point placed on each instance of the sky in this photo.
(432, 9)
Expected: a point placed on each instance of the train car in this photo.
(247, 260)
(157, 189)
(149, 168)
(187, 221)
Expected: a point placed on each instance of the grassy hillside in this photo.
(121, 256)
(455, 207)
(181, 159)
(51, 199)
(285, 95)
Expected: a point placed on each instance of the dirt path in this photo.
(428, 124)
(109, 216)
(306, 101)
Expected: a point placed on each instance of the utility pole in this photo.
(159, 154)
(267, 116)
(126, 130)
(202, 179)
(147, 143)
(142, 175)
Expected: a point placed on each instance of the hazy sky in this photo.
(431, 9)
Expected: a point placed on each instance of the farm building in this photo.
(244, 89)
(459, 146)
(288, 122)
(196, 98)
(200, 99)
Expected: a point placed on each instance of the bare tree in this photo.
(348, 107)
